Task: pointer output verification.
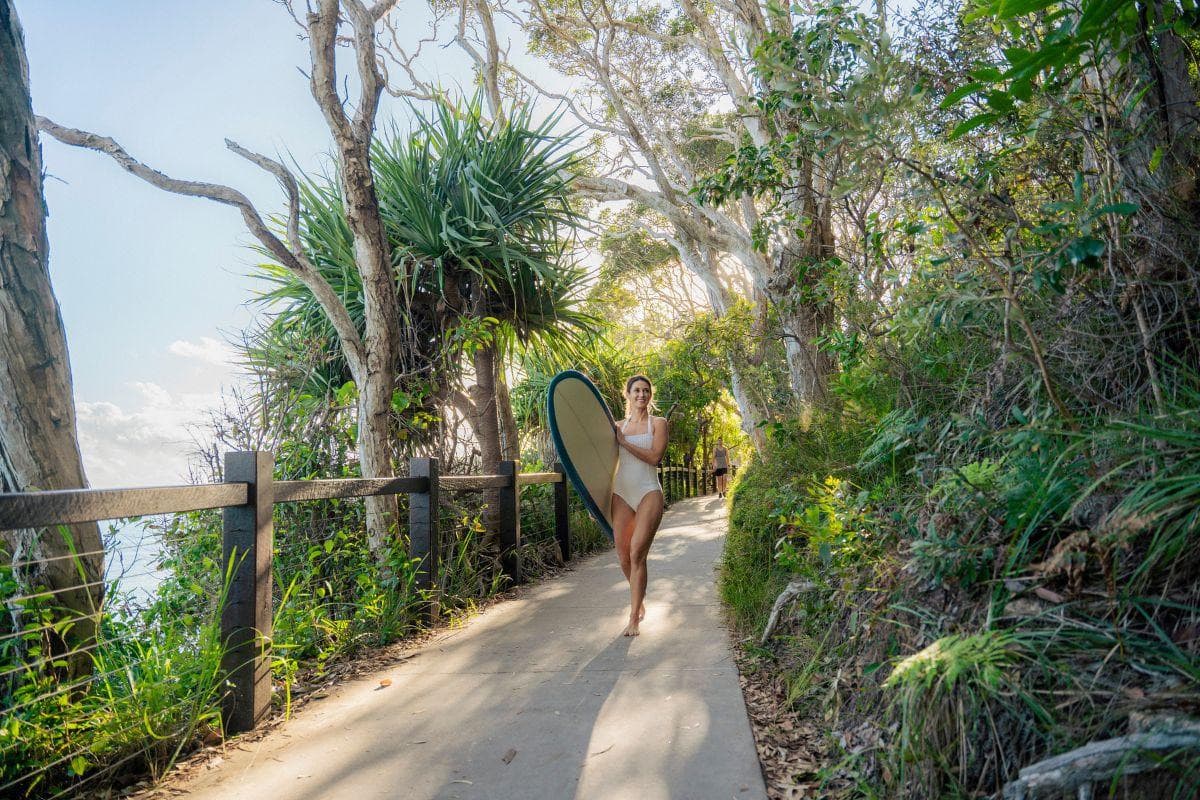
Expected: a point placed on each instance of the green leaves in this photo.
(1124, 209)
(974, 122)
(1055, 56)
(481, 224)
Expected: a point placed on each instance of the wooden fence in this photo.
(247, 497)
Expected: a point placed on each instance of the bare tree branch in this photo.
(322, 43)
(294, 258)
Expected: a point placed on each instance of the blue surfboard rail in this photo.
(589, 502)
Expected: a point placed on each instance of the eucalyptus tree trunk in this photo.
(39, 448)
(752, 412)
(353, 135)
(510, 436)
(802, 316)
(485, 420)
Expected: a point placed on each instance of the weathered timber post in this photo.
(246, 619)
(562, 515)
(424, 540)
(510, 520)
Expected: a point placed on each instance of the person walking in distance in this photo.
(637, 503)
(720, 465)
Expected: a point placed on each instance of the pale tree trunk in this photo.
(615, 50)
(39, 449)
(485, 420)
(751, 412)
(510, 436)
(372, 355)
(794, 287)
(752, 415)
(352, 136)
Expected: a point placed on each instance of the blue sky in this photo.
(151, 284)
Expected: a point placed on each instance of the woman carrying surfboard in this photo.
(637, 503)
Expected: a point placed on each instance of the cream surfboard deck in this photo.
(581, 427)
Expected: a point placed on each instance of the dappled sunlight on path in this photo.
(538, 697)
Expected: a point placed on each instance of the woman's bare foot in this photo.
(642, 613)
(631, 629)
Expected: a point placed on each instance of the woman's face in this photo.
(639, 395)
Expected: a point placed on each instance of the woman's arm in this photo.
(654, 453)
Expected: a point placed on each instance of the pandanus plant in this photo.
(482, 230)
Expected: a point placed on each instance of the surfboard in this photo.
(581, 427)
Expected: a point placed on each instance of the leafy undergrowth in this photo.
(969, 610)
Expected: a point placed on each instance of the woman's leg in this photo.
(622, 531)
(645, 525)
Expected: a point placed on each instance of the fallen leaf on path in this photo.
(605, 750)
(1048, 595)
(383, 684)
(509, 756)
(461, 780)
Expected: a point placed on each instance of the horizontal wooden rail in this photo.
(532, 478)
(41, 509)
(332, 489)
(69, 506)
(468, 483)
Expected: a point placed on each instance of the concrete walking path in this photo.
(537, 698)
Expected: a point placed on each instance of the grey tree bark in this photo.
(373, 355)
(510, 435)
(39, 447)
(381, 337)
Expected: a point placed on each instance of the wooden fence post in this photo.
(510, 520)
(424, 540)
(562, 515)
(246, 619)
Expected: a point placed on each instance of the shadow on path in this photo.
(538, 698)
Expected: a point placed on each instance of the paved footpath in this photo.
(538, 698)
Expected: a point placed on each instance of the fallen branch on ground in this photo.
(1096, 762)
(793, 590)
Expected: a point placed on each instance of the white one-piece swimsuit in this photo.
(635, 478)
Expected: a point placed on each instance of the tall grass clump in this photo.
(154, 690)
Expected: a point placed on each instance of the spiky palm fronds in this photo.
(480, 222)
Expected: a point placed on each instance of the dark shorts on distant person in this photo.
(719, 471)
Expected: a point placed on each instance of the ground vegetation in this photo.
(987, 531)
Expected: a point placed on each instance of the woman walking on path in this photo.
(720, 464)
(637, 504)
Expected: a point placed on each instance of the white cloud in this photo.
(207, 350)
(147, 444)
